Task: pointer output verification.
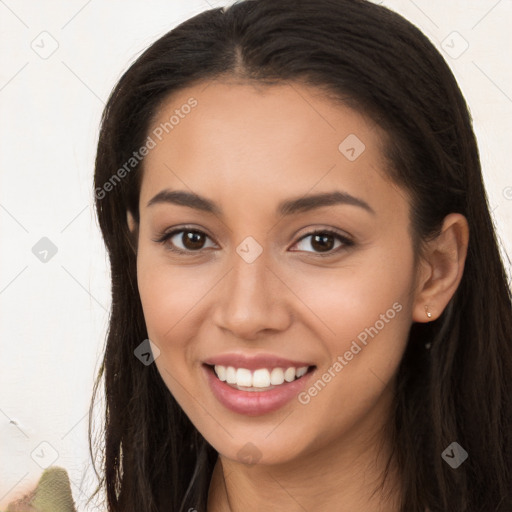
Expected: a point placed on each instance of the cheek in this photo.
(162, 290)
(364, 315)
(346, 300)
(169, 297)
(172, 297)
(161, 295)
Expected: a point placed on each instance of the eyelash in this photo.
(165, 236)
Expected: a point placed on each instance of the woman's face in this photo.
(256, 289)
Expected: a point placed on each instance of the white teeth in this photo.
(289, 374)
(221, 372)
(301, 371)
(261, 378)
(243, 377)
(230, 375)
(277, 376)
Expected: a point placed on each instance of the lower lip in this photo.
(255, 403)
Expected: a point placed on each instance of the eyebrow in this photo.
(285, 208)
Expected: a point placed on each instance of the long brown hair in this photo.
(460, 390)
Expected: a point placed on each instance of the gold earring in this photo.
(429, 314)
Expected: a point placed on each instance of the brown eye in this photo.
(322, 242)
(325, 242)
(184, 240)
(192, 239)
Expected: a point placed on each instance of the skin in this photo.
(247, 147)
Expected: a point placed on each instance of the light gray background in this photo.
(54, 314)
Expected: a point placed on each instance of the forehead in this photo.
(261, 142)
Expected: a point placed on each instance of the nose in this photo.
(252, 300)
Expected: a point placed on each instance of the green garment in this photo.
(52, 494)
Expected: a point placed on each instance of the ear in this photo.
(133, 227)
(441, 268)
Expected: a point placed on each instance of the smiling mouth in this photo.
(262, 379)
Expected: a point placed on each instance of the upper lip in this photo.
(255, 362)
